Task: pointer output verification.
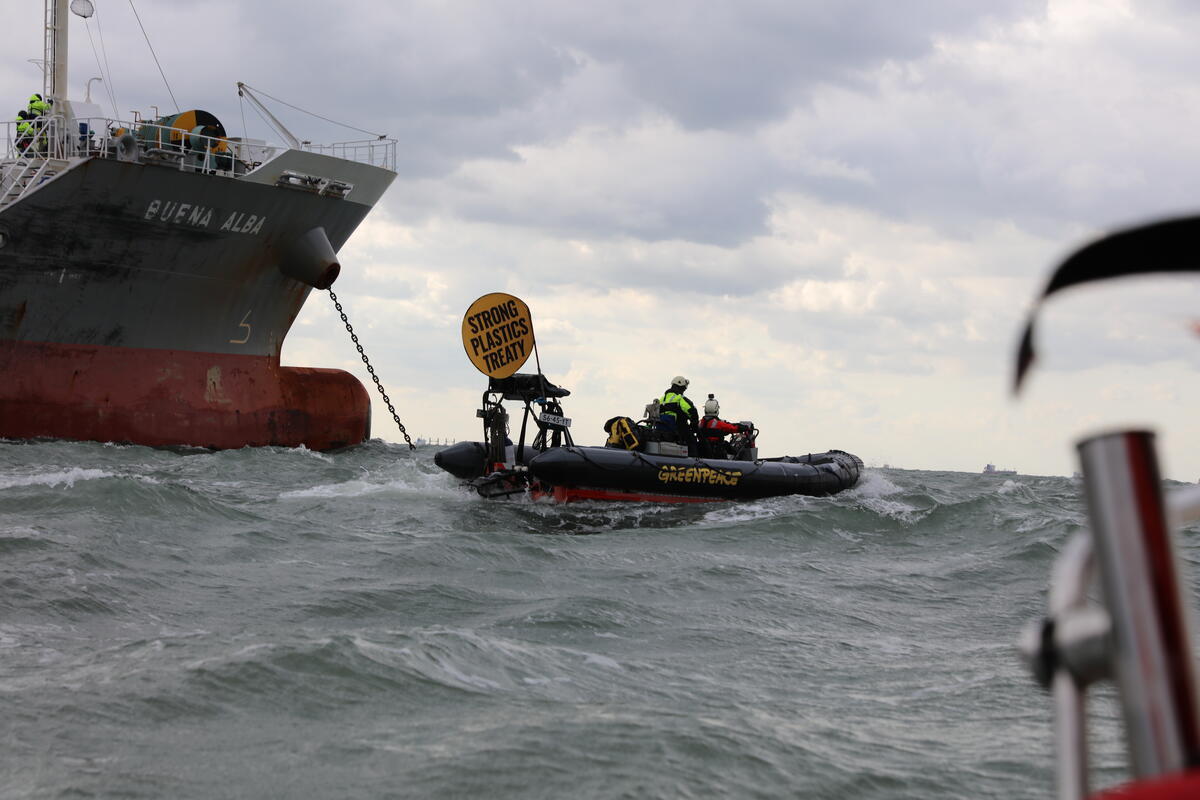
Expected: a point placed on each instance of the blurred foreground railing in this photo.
(1139, 634)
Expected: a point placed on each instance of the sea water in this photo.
(284, 623)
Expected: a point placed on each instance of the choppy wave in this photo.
(271, 622)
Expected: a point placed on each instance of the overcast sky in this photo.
(833, 215)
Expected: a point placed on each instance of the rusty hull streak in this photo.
(16, 318)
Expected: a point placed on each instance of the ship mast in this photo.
(55, 81)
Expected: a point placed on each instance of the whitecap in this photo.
(53, 479)
(871, 493)
(891, 508)
(421, 483)
(355, 488)
(602, 661)
(744, 512)
(873, 484)
(302, 450)
(478, 681)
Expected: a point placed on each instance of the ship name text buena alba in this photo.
(197, 216)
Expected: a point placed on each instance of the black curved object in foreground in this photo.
(1170, 246)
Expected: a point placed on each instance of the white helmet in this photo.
(711, 407)
(680, 381)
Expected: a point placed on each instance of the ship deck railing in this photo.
(36, 155)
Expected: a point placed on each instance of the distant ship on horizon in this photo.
(990, 469)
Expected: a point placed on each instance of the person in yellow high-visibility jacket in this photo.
(678, 415)
(24, 129)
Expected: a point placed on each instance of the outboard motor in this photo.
(744, 445)
(495, 432)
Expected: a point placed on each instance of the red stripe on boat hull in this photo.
(565, 494)
(175, 397)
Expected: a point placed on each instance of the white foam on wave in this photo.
(409, 481)
(65, 478)
(753, 510)
(19, 532)
(874, 484)
(872, 493)
(601, 661)
(141, 478)
(478, 681)
(354, 488)
(304, 451)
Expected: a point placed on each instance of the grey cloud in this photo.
(455, 82)
(722, 65)
(728, 64)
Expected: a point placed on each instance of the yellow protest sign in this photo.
(497, 333)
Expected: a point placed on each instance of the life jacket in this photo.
(675, 405)
(25, 130)
(715, 427)
(622, 432)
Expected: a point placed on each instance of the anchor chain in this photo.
(370, 369)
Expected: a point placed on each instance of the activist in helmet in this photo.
(713, 430)
(39, 106)
(677, 414)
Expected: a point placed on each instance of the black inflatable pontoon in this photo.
(604, 473)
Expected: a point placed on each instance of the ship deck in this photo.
(54, 145)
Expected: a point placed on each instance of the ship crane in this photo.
(244, 91)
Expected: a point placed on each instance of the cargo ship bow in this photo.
(150, 271)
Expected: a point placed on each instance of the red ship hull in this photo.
(174, 397)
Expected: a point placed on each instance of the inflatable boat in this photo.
(633, 466)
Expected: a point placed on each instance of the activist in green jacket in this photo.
(677, 414)
(24, 129)
(39, 107)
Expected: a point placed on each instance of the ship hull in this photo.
(172, 397)
(145, 304)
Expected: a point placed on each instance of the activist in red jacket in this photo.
(713, 429)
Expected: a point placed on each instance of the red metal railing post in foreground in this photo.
(1143, 589)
